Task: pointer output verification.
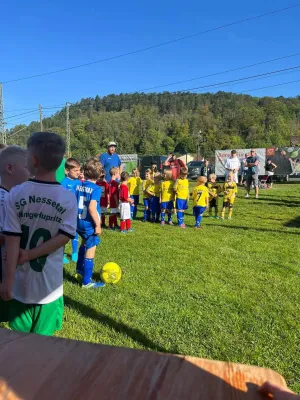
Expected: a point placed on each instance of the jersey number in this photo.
(199, 194)
(82, 207)
(38, 264)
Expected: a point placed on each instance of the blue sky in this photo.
(37, 37)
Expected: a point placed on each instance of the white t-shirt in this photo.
(3, 199)
(37, 211)
(232, 163)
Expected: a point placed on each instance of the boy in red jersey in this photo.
(113, 198)
(125, 202)
(104, 200)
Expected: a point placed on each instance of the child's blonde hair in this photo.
(212, 176)
(168, 175)
(136, 170)
(113, 171)
(231, 174)
(48, 147)
(10, 155)
(184, 171)
(92, 168)
(202, 180)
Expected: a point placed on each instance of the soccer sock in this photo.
(102, 220)
(198, 220)
(216, 211)
(111, 221)
(134, 210)
(230, 213)
(128, 224)
(169, 217)
(223, 213)
(180, 215)
(131, 211)
(88, 267)
(115, 220)
(123, 225)
(75, 244)
(163, 216)
(148, 215)
(80, 260)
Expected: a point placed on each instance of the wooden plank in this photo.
(40, 368)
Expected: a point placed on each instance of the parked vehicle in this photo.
(194, 169)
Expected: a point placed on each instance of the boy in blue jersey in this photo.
(88, 222)
(70, 181)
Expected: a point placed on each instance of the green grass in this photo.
(230, 291)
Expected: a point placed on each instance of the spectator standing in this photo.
(110, 159)
(252, 172)
(206, 169)
(175, 165)
(244, 168)
(232, 164)
(270, 171)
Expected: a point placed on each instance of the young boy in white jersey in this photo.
(13, 171)
(181, 189)
(70, 181)
(40, 219)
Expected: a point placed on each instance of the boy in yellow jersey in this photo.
(230, 190)
(200, 200)
(154, 191)
(146, 196)
(213, 190)
(133, 184)
(167, 197)
(181, 189)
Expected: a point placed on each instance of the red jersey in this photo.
(113, 194)
(124, 193)
(104, 194)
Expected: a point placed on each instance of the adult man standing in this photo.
(110, 159)
(232, 164)
(252, 172)
(175, 165)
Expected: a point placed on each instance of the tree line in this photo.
(159, 123)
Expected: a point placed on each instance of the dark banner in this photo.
(287, 160)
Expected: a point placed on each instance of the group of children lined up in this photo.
(162, 195)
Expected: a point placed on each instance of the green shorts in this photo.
(43, 319)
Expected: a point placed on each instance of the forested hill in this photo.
(158, 123)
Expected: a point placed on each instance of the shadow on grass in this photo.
(293, 223)
(247, 228)
(135, 334)
(281, 202)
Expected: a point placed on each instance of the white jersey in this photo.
(38, 211)
(3, 199)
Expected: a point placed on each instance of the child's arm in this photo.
(12, 245)
(95, 216)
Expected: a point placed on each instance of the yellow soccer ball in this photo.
(111, 273)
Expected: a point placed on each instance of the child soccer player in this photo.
(213, 190)
(70, 181)
(167, 197)
(88, 222)
(134, 183)
(146, 196)
(154, 191)
(13, 171)
(230, 190)
(181, 189)
(104, 201)
(113, 198)
(38, 211)
(125, 202)
(200, 200)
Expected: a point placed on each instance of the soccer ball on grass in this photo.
(111, 273)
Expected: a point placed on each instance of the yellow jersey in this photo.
(154, 189)
(213, 189)
(134, 185)
(181, 189)
(145, 186)
(200, 196)
(167, 191)
(229, 189)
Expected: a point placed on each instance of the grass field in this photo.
(230, 291)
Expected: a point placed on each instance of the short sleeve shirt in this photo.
(108, 161)
(38, 211)
(85, 193)
(252, 170)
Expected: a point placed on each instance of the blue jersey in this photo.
(86, 192)
(70, 184)
(108, 161)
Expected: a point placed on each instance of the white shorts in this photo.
(125, 211)
(104, 210)
(270, 173)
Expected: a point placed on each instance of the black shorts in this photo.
(213, 203)
(227, 204)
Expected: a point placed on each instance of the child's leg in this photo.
(210, 210)
(230, 211)
(170, 216)
(111, 221)
(216, 211)
(223, 212)
(128, 225)
(81, 257)
(102, 220)
(74, 256)
(88, 267)
(132, 206)
(123, 226)
(163, 215)
(115, 220)
(136, 202)
(180, 217)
